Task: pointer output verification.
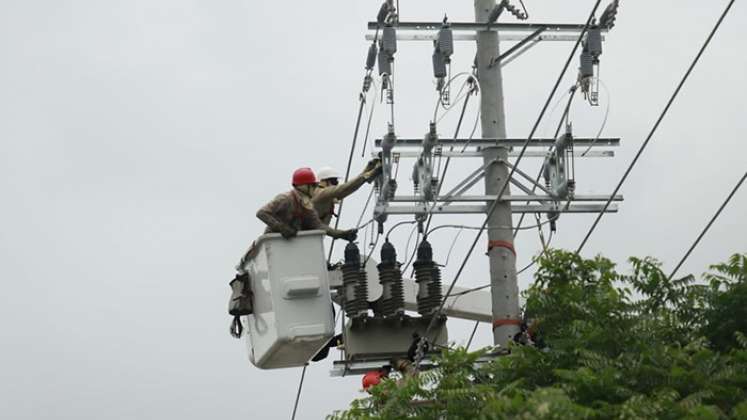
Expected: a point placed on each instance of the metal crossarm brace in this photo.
(507, 142)
(528, 154)
(528, 178)
(566, 28)
(487, 198)
(517, 46)
(480, 209)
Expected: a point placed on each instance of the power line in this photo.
(708, 226)
(362, 100)
(300, 387)
(656, 125)
(513, 169)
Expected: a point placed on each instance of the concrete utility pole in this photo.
(501, 252)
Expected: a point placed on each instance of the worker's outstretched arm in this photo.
(342, 190)
(312, 221)
(345, 189)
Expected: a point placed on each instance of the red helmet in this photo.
(304, 176)
(372, 378)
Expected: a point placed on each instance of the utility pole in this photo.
(501, 251)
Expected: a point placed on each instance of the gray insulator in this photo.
(587, 64)
(546, 168)
(383, 12)
(445, 42)
(391, 190)
(354, 282)
(594, 42)
(371, 58)
(389, 40)
(439, 65)
(385, 64)
(496, 12)
(428, 277)
(387, 143)
(607, 20)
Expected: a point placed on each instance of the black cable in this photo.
(471, 336)
(656, 125)
(396, 225)
(373, 247)
(347, 171)
(298, 395)
(708, 226)
(513, 169)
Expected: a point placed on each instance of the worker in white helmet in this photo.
(331, 191)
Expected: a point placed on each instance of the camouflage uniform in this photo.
(325, 198)
(295, 211)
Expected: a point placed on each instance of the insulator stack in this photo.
(587, 64)
(439, 66)
(385, 66)
(445, 41)
(389, 40)
(428, 277)
(390, 277)
(594, 42)
(371, 57)
(354, 282)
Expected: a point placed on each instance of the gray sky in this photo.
(139, 138)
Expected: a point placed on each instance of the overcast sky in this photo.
(138, 138)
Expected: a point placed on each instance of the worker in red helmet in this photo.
(287, 214)
(373, 378)
(293, 211)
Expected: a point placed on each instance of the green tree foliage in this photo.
(622, 346)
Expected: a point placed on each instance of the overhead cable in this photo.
(708, 226)
(362, 100)
(656, 125)
(298, 394)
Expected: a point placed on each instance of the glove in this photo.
(372, 164)
(349, 235)
(374, 172)
(288, 231)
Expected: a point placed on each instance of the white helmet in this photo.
(327, 173)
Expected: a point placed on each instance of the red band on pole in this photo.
(501, 322)
(502, 244)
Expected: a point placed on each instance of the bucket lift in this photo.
(292, 317)
(294, 290)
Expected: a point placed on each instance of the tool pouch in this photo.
(240, 302)
(241, 296)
